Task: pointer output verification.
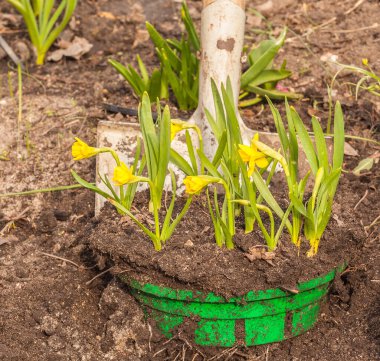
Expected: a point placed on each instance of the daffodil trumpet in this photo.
(81, 150)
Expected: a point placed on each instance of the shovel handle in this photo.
(240, 3)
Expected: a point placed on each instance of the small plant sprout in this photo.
(155, 84)
(157, 152)
(319, 206)
(179, 69)
(261, 78)
(315, 213)
(44, 22)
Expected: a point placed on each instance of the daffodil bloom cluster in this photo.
(154, 162)
(123, 175)
(235, 181)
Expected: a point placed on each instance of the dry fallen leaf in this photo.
(10, 20)
(136, 14)
(349, 150)
(364, 164)
(22, 50)
(106, 15)
(253, 21)
(9, 239)
(76, 49)
(3, 54)
(260, 253)
(141, 37)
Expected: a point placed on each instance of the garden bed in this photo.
(51, 307)
(192, 260)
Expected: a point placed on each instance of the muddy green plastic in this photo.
(257, 318)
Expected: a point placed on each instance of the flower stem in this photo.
(155, 210)
(230, 215)
(114, 155)
(40, 58)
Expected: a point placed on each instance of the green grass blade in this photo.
(270, 76)
(220, 150)
(155, 86)
(89, 186)
(266, 193)
(280, 128)
(181, 162)
(306, 141)
(143, 71)
(169, 211)
(44, 15)
(220, 117)
(320, 143)
(190, 149)
(124, 210)
(108, 184)
(151, 141)
(338, 137)
(208, 165)
(233, 122)
(134, 82)
(160, 43)
(189, 25)
(272, 93)
(70, 7)
(18, 6)
(164, 149)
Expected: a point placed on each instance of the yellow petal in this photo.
(251, 166)
(123, 175)
(262, 162)
(245, 152)
(253, 147)
(174, 129)
(178, 125)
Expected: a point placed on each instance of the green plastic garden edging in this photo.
(264, 316)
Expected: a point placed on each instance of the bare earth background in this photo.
(49, 309)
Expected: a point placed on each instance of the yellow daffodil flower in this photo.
(124, 175)
(250, 155)
(81, 150)
(177, 126)
(195, 184)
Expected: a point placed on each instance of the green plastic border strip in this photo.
(197, 296)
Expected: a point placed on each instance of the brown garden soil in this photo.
(53, 307)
